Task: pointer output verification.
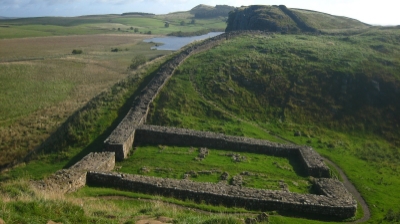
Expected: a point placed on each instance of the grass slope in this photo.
(43, 83)
(295, 83)
(326, 22)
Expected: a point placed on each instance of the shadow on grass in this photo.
(298, 166)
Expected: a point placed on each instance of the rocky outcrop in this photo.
(250, 19)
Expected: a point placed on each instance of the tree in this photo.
(131, 28)
(166, 24)
(193, 21)
(119, 29)
(136, 30)
(149, 32)
(183, 23)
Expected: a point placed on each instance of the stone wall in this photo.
(337, 202)
(121, 139)
(313, 162)
(300, 23)
(70, 180)
(94, 168)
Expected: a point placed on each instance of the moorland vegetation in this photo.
(335, 92)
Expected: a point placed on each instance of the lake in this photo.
(176, 43)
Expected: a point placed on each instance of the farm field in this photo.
(43, 83)
(107, 24)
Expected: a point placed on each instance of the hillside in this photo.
(337, 94)
(205, 11)
(280, 18)
(301, 85)
(127, 23)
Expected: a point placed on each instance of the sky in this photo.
(383, 12)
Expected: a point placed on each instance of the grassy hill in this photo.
(337, 93)
(280, 18)
(324, 87)
(327, 22)
(205, 11)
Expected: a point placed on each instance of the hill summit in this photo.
(280, 18)
(206, 11)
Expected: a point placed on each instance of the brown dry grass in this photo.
(28, 117)
(63, 45)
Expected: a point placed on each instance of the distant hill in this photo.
(137, 14)
(206, 11)
(280, 18)
(2, 17)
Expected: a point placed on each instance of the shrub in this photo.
(137, 61)
(77, 51)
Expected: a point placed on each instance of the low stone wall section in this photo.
(149, 134)
(121, 139)
(300, 23)
(217, 194)
(70, 180)
(313, 162)
(333, 189)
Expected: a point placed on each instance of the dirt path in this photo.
(346, 182)
(352, 189)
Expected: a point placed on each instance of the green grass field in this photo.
(173, 162)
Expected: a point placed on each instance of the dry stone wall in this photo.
(313, 162)
(70, 180)
(334, 199)
(330, 204)
(121, 139)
